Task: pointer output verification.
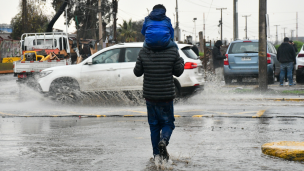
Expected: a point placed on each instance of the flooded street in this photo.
(124, 143)
(222, 128)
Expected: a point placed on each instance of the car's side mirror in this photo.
(89, 61)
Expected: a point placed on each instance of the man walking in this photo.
(218, 60)
(158, 61)
(286, 56)
(158, 68)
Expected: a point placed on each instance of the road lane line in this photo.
(197, 116)
(101, 115)
(136, 111)
(239, 113)
(8, 114)
(259, 114)
(177, 116)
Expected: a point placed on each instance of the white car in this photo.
(111, 69)
(300, 66)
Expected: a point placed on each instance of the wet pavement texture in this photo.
(124, 143)
(216, 129)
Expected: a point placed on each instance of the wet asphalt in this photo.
(215, 130)
(70, 143)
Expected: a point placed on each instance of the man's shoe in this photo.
(292, 84)
(164, 155)
(157, 160)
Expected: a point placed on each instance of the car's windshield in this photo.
(189, 53)
(244, 47)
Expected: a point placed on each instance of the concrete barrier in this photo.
(289, 150)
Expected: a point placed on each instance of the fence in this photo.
(9, 48)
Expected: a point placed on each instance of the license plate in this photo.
(246, 58)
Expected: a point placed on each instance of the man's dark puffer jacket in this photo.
(158, 68)
(286, 53)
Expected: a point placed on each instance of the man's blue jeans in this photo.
(289, 67)
(160, 118)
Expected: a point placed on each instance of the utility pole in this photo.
(177, 24)
(284, 31)
(24, 16)
(194, 19)
(204, 27)
(174, 18)
(221, 21)
(100, 24)
(297, 26)
(246, 23)
(263, 82)
(115, 6)
(291, 34)
(235, 20)
(276, 34)
(148, 11)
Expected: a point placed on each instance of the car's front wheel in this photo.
(64, 91)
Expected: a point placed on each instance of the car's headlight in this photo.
(45, 73)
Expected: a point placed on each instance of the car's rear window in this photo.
(244, 47)
(189, 53)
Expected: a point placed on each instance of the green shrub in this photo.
(201, 54)
(276, 46)
(299, 45)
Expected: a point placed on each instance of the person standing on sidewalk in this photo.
(158, 67)
(218, 61)
(287, 57)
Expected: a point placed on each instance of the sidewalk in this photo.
(274, 92)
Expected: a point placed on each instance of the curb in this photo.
(289, 150)
(286, 99)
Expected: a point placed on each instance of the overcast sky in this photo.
(281, 12)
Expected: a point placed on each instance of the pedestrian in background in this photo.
(218, 60)
(158, 68)
(296, 50)
(287, 57)
(294, 46)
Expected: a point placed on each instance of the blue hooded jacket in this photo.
(157, 29)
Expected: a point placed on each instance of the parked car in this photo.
(111, 69)
(242, 60)
(300, 66)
